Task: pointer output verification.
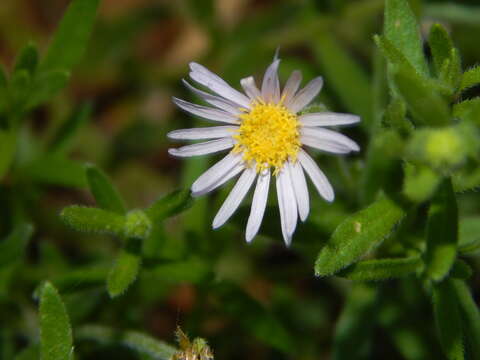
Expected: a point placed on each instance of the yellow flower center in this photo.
(268, 136)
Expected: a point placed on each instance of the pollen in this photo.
(268, 136)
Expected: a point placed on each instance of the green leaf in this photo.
(13, 247)
(382, 269)
(27, 59)
(353, 332)
(448, 320)
(93, 220)
(442, 232)
(19, 90)
(426, 105)
(341, 72)
(70, 40)
(55, 332)
(358, 235)
(126, 268)
(392, 54)
(470, 78)
(65, 134)
(402, 30)
(80, 279)
(105, 193)
(440, 45)
(170, 205)
(139, 342)
(471, 317)
(453, 12)
(45, 86)
(469, 235)
(53, 169)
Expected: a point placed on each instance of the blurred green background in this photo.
(257, 301)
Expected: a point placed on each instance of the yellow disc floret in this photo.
(268, 136)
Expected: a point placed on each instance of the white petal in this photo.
(328, 119)
(206, 112)
(214, 100)
(211, 132)
(204, 148)
(330, 136)
(250, 88)
(301, 190)
(316, 175)
(271, 84)
(259, 203)
(324, 145)
(216, 172)
(215, 83)
(229, 175)
(306, 95)
(235, 197)
(291, 86)
(287, 204)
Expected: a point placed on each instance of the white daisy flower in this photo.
(265, 135)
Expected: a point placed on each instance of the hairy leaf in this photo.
(55, 332)
(93, 220)
(426, 105)
(358, 235)
(382, 269)
(442, 232)
(126, 268)
(105, 193)
(402, 30)
(170, 205)
(448, 320)
(71, 38)
(470, 78)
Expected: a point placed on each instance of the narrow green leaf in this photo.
(170, 205)
(358, 235)
(53, 169)
(448, 320)
(342, 71)
(45, 86)
(105, 193)
(27, 59)
(392, 54)
(13, 247)
(426, 105)
(93, 220)
(353, 332)
(382, 269)
(440, 45)
(126, 268)
(71, 38)
(470, 78)
(139, 342)
(469, 235)
(471, 316)
(65, 134)
(55, 332)
(442, 232)
(402, 30)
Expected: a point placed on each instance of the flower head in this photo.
(265, 135)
